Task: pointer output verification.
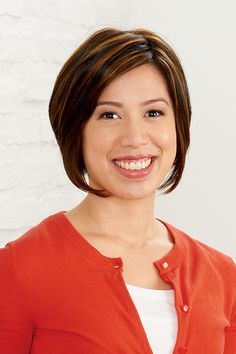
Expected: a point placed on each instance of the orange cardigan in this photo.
(59, 295)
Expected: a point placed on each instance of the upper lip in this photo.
(135, 157)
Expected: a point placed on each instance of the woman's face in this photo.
(129, 142)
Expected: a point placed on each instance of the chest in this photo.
(139, 269)
(89, 308)
(138, 263)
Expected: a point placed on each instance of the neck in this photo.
(129, 220)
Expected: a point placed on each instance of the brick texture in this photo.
(36, 37)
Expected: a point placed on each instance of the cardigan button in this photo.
(183, 350)
(115, 266)
(185, 308)
(165, 265)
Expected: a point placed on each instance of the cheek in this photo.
(95, 144)
(167, 139)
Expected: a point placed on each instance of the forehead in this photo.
(145, 81)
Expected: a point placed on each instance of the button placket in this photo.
(166, 272)
(116, 271)
(182, 311)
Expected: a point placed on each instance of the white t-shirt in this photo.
(157, 312)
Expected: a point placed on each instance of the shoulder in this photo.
(35, 257)
(35, 244)
(199, 253)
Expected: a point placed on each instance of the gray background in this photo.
(36, 37)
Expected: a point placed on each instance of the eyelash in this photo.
(103, 115)
(160, 113)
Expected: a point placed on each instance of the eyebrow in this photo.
(119, 104)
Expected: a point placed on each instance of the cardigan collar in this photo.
(165, 265)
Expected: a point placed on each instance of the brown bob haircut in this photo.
(104, 56)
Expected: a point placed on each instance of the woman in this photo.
(108, 276)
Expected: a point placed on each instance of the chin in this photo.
(129, 191)
(133, 193)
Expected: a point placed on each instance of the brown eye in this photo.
(154, 113)
(109, 115)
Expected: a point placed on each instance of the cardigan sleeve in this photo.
(16, 328)
(230, 331)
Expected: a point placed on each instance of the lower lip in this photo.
(135, 173)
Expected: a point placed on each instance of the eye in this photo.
(153, 113)
(109, 115)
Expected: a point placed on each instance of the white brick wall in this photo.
(36, 37)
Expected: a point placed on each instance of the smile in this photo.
(133, 165)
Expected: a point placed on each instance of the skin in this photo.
(125, 220)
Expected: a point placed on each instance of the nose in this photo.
(133, 134)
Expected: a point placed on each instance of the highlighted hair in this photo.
(104, 56)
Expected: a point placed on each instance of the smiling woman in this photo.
(133, 138)
(98, 62)
(108, 276)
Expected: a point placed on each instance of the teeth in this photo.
(139, 165)
(133, 166)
